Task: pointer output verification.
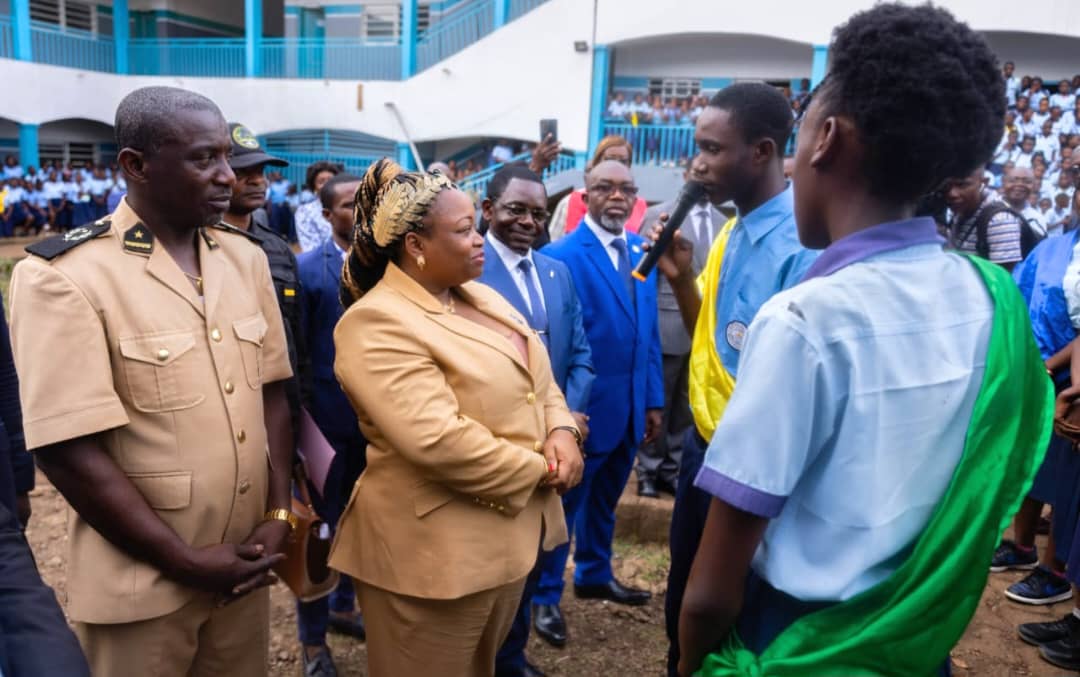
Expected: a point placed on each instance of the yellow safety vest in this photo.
(710, 383)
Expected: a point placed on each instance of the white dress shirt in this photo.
(511, 259)
(606, 238)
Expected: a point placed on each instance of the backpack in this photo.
(1029, 234)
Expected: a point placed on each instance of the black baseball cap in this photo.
(247, 151)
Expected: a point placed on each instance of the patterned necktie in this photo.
(624, 265)
(539, 318)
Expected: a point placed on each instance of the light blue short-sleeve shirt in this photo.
(763, 256)
(850, 415)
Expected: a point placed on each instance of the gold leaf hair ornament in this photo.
(402, 206)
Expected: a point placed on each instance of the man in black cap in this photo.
(245, 214)
(249, 162)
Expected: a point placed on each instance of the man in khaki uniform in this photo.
(152, 356)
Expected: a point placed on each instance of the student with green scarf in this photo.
(892, 408)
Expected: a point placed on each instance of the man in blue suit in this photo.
(541, 289)
(627, 398)
(320, 277)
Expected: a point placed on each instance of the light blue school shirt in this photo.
(850, 415)
(763, 256)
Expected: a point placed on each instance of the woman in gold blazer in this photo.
(470, 440)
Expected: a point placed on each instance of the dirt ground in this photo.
(605, 639)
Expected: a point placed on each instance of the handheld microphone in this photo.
(690, 195)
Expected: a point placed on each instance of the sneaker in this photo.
(1041, 586)
(1009, 556)
(322, 665)
(1064, 653)
(1051, 631)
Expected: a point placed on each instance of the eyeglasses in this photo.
(628, 190)
(518, 211)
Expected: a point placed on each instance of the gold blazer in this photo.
(450, 502)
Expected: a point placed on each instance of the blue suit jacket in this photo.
(320, 277)
(624, 338)
(568, 347)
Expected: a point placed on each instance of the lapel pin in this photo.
(637, 249)
(551, 273)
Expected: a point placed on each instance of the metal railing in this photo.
(519, 7)
(7, 44)
(664, 145)
(195, 57)
(71, 47)
(330, 58)
(298, 164)
(477, 183)
(454, 33)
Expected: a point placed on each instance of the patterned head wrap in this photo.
(390, 202)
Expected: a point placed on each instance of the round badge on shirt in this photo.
(736, 334)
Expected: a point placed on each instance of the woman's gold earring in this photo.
(421, 261)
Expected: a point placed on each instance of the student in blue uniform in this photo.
(741, 137)
(866, 388)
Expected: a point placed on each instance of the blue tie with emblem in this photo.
(624, 266)
(539, 319)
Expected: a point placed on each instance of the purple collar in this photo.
(885, 237)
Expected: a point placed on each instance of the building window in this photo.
(678, 88)
(78, 154)
(64, 13)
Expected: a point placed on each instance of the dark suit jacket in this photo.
(623, 335)
(568, 347)
(673, 337)
(320, 277)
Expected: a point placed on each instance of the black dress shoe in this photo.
(531, 670)
(549, 624)
(666, 486)
(1064, 653)
(614, 591)
(647, 488)
(1044, 633)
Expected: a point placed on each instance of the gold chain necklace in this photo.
(196, 280)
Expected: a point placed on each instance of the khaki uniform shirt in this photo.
(112, 338)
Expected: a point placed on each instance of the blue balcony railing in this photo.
(477, 183)
(333, 58)
(298, 164)
(665, 145)
(7, 46)
(519, 7)
(194, 57)
(71, 47)
(330, 58)
(454, 33)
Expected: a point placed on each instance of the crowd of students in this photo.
(1042, 133)
(56, 196)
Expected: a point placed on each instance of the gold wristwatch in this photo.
(283, 515)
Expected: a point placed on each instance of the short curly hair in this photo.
(924, 92)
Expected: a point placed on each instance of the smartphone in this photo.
(549, 126)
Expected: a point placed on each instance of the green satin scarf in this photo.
(908, 623)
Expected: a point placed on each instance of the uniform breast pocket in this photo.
(159, 371)
(250, 332)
